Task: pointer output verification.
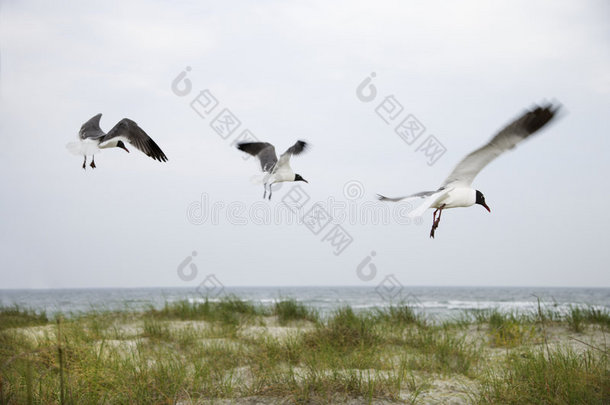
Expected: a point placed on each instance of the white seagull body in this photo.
(92, 139)
(275, 170)
(456, 191)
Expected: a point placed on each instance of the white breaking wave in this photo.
(201, 300)
(502, 306)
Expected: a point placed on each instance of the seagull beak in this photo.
(125, 149)
(486, 207)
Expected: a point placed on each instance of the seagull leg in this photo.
(92, 162)
(85, 163)
(434, 225)
(270, 191)
(265, 193)
(436, 221)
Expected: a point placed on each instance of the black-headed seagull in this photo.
(456, 190)
(275, 170)
(92, 139)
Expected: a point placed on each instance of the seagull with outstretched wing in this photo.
(275, 170)
(456, 190)
(92, 139)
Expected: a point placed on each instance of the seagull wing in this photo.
(515, 132)
(91, 129)
(296, 149)
(415, 196)
(429, 201)
(128, 130)
(264, 151)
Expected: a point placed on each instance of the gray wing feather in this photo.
(264, 151)
(137, 137)
(296, 149)
(511, 135)
(422, 194)
(91, 129)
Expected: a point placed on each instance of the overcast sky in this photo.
(288, 71)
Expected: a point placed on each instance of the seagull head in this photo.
(481, 200)
(121, 145)
(297, 177)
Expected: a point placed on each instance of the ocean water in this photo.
(443, 302)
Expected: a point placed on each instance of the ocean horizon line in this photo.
(298, 286)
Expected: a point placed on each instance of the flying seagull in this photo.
(275, 171)
(92, 139)
(456, 190)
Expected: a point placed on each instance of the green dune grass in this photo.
(235, 351)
